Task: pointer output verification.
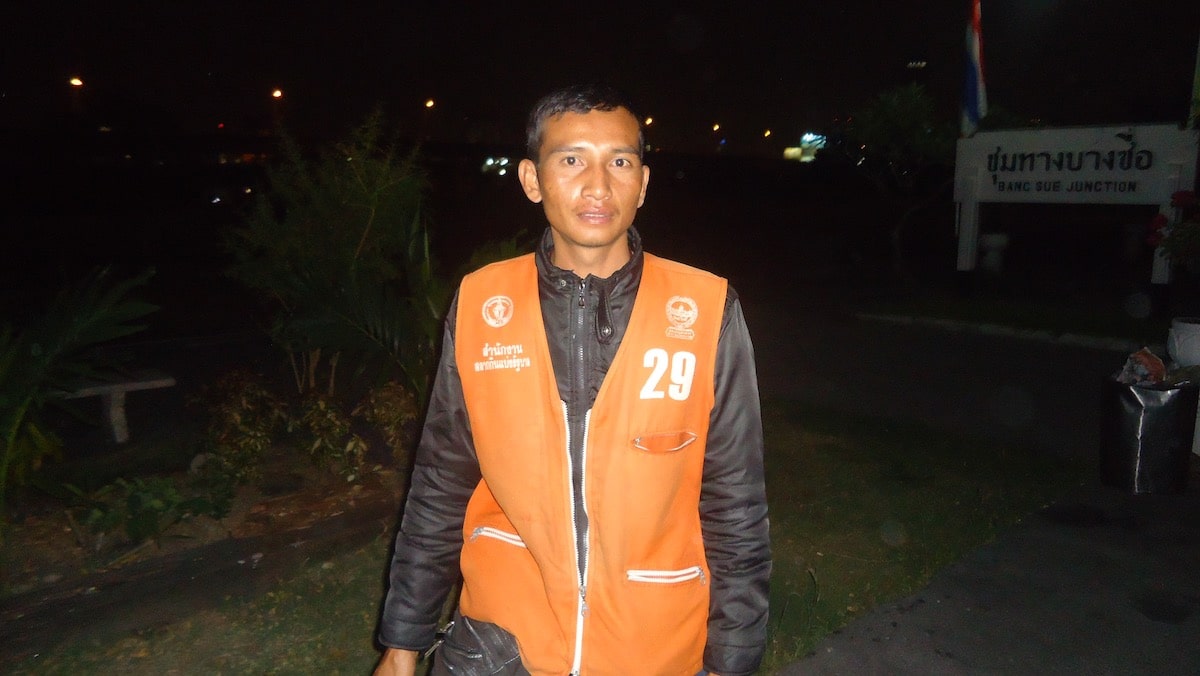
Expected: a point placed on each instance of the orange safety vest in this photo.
(645, 609)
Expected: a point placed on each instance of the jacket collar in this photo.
(624, 278)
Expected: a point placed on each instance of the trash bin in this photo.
(1146, 439)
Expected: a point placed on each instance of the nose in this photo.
(597, 183)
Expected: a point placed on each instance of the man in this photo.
(592, 454)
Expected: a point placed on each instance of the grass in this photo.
(862, 512)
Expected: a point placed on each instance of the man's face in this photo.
(589, 180)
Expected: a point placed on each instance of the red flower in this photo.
(1154, 230)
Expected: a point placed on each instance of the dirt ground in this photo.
(48, 549)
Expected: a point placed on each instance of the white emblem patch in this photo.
(497, 310)
(682, 313)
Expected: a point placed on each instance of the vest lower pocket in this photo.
(497, 534)
(664, 442)
(666, 576)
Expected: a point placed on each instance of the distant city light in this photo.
(916, 65)
(810, 143)
(649, 121)
(277, 94)
(716, 127)
(496, 165)
(767, 133)
(428, 103)
(75, 82)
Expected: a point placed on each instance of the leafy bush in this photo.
(325, 431)
(244, 420)
(143, 508)
(392, 409)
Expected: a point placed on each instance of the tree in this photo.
(906, 153)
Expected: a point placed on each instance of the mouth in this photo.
(596, 216)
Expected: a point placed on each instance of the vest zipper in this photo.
(587, 560)
(572, 410)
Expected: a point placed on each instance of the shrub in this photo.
(143, 508)
(325, 430)
(392, 409)
(244, 419)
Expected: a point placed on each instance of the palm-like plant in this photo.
(339, 250)
(42, 361)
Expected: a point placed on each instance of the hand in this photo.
(396, 662)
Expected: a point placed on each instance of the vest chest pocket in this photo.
(664, 442)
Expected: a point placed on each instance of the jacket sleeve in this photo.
(733, 507)
(445, 473)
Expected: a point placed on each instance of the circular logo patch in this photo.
(681, 312)
(497, 310)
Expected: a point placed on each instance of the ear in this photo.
(527, 172)
(645, 184)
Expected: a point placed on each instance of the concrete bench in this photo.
(112, 396)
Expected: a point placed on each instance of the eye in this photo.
(571, 160)
(621, 162)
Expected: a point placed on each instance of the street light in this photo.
(76, 94)
(429, 103)
(277, 94)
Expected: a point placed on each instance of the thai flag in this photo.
(974, 92)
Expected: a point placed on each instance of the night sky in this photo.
(191, 65)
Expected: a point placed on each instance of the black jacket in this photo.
(585, 320)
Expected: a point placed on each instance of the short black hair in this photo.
(579, 99)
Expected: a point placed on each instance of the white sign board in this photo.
(1082, 165)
